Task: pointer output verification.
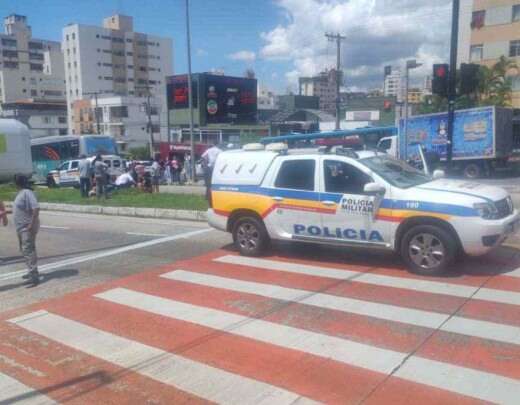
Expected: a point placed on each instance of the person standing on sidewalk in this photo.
(26, 218)
(85, 172)
(3, 214)
(209, 158)
(156, 174)
(100, 173)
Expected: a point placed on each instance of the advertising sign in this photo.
(230, 99)
(177, 90)
(472, 134)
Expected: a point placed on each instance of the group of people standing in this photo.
(91, 173)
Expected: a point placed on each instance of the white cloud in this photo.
(378, 32)
(245, 56)
(201, 52)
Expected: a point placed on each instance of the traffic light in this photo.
(440, 79)
(468, 77)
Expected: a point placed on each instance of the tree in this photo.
(139, 153)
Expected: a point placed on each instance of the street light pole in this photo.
(452, 83)
(190, 96)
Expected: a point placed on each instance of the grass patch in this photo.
(121, 198)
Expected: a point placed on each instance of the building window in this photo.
(475, 53)
(99, 78)
(9, 54)
(68, 64)
(9, 42)
(129, 40)
(68, 51)
(478, 19)
(516, 12)
(130, 53)
(97, 35)
(35, 56)
(34, 93)
(67, 37)
(75, 64)
(108, 78)
(62, 120)
(35, 45)
(36, 67)
(514, 48)
(74, 50)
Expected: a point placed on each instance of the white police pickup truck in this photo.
(351, 198)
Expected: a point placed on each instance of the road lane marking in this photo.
(146, 234)
(416, 317)
(54, 227)
(76, 260)
(13, 391)
(414, 284)
(196, 378)
(462, 380)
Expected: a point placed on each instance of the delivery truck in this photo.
(482, 139)
(15, 150)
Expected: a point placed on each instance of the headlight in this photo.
(486, 210)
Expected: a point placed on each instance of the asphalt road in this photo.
(77, 251)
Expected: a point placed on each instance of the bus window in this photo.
(108, 163)
(117, 163)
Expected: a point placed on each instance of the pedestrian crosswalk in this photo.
(228, 329)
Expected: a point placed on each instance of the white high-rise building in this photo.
(29, 67)
(394, 86)
(113, 60)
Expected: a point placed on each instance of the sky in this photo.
(279, 39)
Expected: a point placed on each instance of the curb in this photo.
(189, 215)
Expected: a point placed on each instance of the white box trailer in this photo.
(15, 149)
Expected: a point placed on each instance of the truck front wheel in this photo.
(428, 250)
(250, 236)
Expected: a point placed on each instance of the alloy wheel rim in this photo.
(427, 251)
(248, 236)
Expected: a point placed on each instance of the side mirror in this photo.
(374, 189)
(438, 174)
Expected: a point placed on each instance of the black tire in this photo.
(431, 258)
(250, 236)
(472, 171)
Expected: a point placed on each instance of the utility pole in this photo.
(410, 64)
(452, 82)
(190, 96)
(337, 38)
(95, 94)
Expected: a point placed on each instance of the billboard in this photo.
(230, 99)
(473, 134)
(177, 92)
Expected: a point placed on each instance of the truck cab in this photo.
(348, 198)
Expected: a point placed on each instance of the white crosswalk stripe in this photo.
(199, 379)
(478, 384)
(434, 320)
(427, 286)
(14, 392)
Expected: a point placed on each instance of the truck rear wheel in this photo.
(472, 171)
(250, 236)
(428, 250)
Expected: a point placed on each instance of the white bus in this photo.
(15, 149)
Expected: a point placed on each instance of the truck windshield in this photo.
(396, 172)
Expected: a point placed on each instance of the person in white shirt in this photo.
(209, 158)
(125, 180)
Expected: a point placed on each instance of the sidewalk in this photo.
(197, 189)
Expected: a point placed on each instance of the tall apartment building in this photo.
(29, 67)
(490, 29)
(113, 60)
(323, 86)
(393, 84)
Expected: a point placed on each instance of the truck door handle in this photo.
(328, 202)
(278, 198)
